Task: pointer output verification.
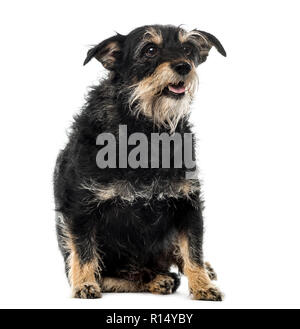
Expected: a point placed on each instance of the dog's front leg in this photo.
(83, 261)
(190, 246)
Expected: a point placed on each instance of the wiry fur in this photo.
(164, 111)
(129, 192)
(121, 229)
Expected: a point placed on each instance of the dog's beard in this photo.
(147, 97)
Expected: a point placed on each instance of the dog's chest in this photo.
(129, 192)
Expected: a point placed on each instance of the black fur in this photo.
(134, 239)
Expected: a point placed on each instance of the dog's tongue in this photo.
(177, 89)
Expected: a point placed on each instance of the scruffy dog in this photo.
(121, 228)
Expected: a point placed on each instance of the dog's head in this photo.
(157, 64)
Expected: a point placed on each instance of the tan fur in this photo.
(80, 273)
(164, 111)
(161, 284)
(126, 191)
(150, 36)
(121, 285)
(119, 188)
(199, 282)
(153, 35)
(87, 290)
(210, 271)
(106, 193)
(82, 277)
(108, 59)
(193, 35)
(187, 187)
(197, 38)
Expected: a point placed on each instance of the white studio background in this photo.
(246, 118)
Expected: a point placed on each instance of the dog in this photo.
(121, 228)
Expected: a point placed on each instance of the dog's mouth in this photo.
(176, 90)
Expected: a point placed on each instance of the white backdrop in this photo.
(246, 117)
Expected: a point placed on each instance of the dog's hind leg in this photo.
(161, 284)
(111, 284)
(164, 284)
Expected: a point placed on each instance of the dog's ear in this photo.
(205, 41)
(108, 52)
(213, 41)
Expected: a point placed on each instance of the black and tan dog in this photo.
(121, 229)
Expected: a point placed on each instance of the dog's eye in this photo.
(151, 51)
(187, 50)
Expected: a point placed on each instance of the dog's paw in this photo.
(210, 271)
(163, 284)
(210, 293)
(88, 290)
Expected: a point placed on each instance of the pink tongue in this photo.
(177, 90)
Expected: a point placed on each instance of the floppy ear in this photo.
(108, 52)
(204, 42)
(213, 41)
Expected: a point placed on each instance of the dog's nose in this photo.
(182, 68)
